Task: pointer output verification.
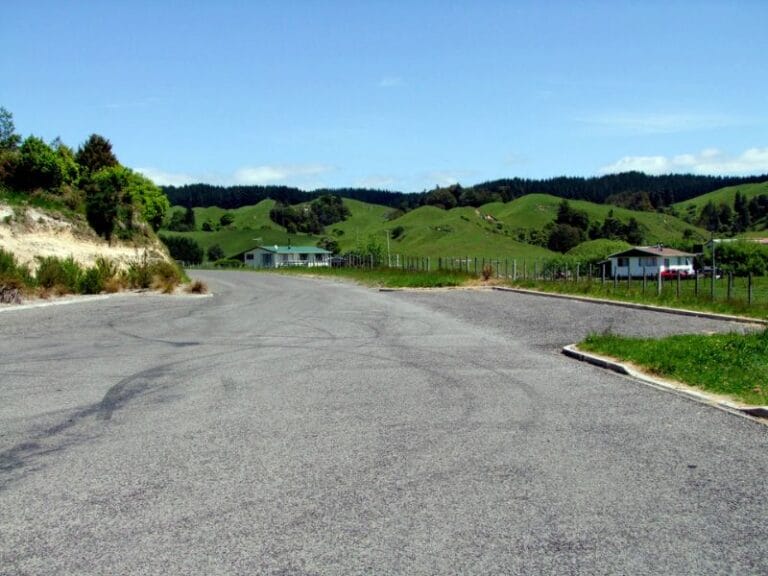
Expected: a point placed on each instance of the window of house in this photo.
(666, 262)
(648, 261)
(303, 257)
(622, 262)
(249, 256)
(318, 257)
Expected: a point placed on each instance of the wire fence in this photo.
(582, 277)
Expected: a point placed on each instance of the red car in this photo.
(673, 274)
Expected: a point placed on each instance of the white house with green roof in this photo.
(280, 256)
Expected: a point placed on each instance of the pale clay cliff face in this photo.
(32, 232)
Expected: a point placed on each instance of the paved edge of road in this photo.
(757, 413)
(664, 309)
(87, 299)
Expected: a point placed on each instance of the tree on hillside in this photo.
(9, 140)
(571, 216)
(115, 195)
(215, 252)
(148, 197)
(442, 198)
(563, 237)
(38, 166)
(95, 154)
(103, 199)
(742, 219)
(65, 157)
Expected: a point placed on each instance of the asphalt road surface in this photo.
(293, 426)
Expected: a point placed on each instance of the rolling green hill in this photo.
(536, 210)
(494, 230)
(431, 231)
(723, 195)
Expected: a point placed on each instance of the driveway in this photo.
(296, 426)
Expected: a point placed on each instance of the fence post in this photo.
(678, 286)
(749, 289)
(658, 281)
(730, 286)
(577, 273)
(644, 280)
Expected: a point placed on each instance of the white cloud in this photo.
(709, 162)
(447, 177)
(300, 175)
(267, 174)
(162, 178)
(390, 82)
(661, 123)
(378, 182)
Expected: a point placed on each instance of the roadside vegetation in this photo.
(54, 276)
(729, 364)
(391, 277)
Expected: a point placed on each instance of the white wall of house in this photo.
(649, 265)
(260, 258)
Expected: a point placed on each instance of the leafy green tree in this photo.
(572, 217)
(189, 219)
(329, 244)
(9, 140)
(563, 237)
(215, 252)
(95, 154)
(742, 218)
(103, 199)
(38, 166)
(151, 200)
(65, 157)
(633, 232)
(226, 219)
(442, 198)
(184, 249)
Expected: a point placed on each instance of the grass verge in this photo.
(390, 277)
(731, 364)
(687, 300)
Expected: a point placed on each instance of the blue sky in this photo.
(402, 95)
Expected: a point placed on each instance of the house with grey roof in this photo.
(640, 261)
(281, 256)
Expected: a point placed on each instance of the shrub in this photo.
(228, 263)
(487, 272)
(139, 273)
(60, 274)
(91, 281)
(197, 287)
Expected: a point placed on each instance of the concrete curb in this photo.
(663, 309)
(757, 413)
(87, 299)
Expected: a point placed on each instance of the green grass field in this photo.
(730, 364)
(723, 195)
(534, 211)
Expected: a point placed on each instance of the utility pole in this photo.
(389, 259)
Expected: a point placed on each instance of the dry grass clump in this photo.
(197, 287)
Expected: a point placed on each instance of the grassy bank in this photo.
(732, 364)
(737, 303)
